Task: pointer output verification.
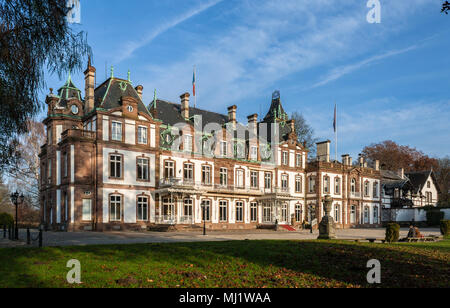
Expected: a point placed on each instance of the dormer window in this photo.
(130, 108)
(74, 109)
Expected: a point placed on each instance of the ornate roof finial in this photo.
(129, 76)
(89, 61)
(112, 71)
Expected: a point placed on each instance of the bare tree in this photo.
(305, 133)
(24, 171)
(446, 7)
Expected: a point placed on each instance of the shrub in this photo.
(445, 227)
(392, 233)
(434, 217)
(6, 219)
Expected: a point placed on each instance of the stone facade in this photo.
(113, 163)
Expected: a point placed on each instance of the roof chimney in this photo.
(253, 124)
(89, 77)
(291, 124)
(232, 114)
(377, 165)
(401, 173)
(185, 105)
(361, 160)
(139, 89)
(323, 151)
(345, 159)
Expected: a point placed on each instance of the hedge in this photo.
(445, 227)
(6, 219)
(434, 217)
(392, 233)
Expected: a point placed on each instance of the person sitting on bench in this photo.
(418, 234)
(412, 232)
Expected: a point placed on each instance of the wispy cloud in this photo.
(132, 46)
(341, 71)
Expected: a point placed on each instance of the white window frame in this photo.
(143, 164)
(254, 179)
(116, 131)
(223, 148)
(113, 171)
(254, 212)
(188, 145)
(239, 211)
(223, 177)
(142, 135)
(117, 202)
(298, 184)
(223, 211)
(142, 208)
(87, 210)
(240, 174)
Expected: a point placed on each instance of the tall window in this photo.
(285, 158)
(223, 211)
(223, 149)
(142, 169)
(299, 160)
(366, 215)
(142, 208)
(116, 131)
(240, 178)
(115, 170)
(366, 189)
(206, 175)
(188, 208)
(49, 173)
(254, 153)
(188, 143)
(142, 135)
(337, 186)
(428, 184)
(254, 212)
(312, 184)
(298, 184)
(429, 198)
(87, 210)
(66, 165)
(326, 185)
(375, 215)
(353, 186)
(254, 179)
(298, 212)
(206, 210)
(353, 214)
(284, 182)
(115, 204)
(375, 189)
(223, 176)
(267, 213)
(268, 180)
(239, 211)
(337, 212)
(169, 169)
(188, 172)
(284, 212)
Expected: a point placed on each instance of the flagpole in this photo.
(195, 94)
(336, 134)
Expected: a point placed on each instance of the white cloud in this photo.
(132, 46)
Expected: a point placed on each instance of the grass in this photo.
(246, 264)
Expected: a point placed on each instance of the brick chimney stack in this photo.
(253, 124)
(139, 89)
(291, 124)
(232, 115)
(89, 77)
(185, 105)
(361, 160)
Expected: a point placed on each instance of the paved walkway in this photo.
(96, 238)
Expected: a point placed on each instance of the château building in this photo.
(113, 162)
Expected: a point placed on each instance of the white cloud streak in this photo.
(132, 46)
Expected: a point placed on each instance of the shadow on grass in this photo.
(229, 264)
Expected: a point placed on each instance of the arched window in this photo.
(367, 189)
(337, 212)
(353, 214)
(337, 186)
(326, 185)
(375, 189)
(298, 212)
(353, 186)
(366, 215)
(375, 215)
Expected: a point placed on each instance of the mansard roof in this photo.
(109, 94)
(68, 91)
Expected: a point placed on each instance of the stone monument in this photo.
(327, 230)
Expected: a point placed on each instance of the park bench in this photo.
(420, 239)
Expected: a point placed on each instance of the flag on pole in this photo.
(335, 118)
(193, 83)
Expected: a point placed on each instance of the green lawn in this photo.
(230, 264)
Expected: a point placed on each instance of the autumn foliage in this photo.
(393, 156)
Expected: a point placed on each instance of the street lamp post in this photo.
(204, 219)
(16, 199)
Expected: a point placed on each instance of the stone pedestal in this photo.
(327, 230)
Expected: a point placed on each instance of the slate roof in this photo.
(68, 91)
(109, 94)
(419, 179)
(391, 180)
(413, 181)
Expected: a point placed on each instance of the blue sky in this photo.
(390, 80)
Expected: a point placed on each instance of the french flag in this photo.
(193, 83)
